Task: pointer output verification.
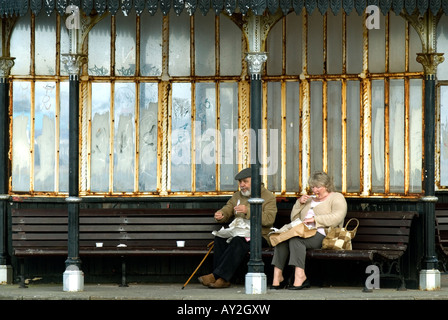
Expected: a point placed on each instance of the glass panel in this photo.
(315, 126)
(44, 135)
(21, 156)
(20, 38)
(124, 137)
(377, 48)
(148, 133)
(334, 122)
(415, 132)
(274, 47)
(378, 136)
(230, 47)
(293, 44)
(125, 46)
(396, 134)
(181, 137)
(63, 136)
(442, 46)
(397, 41)
(205, 137)
(292, 136)
(354, 42)
(179, 42)
(334, 43)
(444, 135)
(204, 44)
(315, 43)
(353, 137)
(100, 147)
(99, 41)
(45, 51)
(228, 118)
(275, 124)
(151, 44)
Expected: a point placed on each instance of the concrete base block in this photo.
(73, 280)
(255, 283)
(5, 274)
(429, 280)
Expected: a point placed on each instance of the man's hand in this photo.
(241, 208)
(218, 215)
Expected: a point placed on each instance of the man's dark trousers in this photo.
(227, 257)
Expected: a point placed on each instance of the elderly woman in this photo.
(325, 208)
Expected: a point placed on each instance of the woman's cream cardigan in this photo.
(330, 213)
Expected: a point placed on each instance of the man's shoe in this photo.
(207, 279)
(220, 283)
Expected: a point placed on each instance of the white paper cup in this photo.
(99, 244)
(180, 243)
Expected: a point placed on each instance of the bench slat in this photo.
(40, 228)
(379, 246)
(52, 212)
(367, 255)
(146, 228)
(40, 220)
(382, 239)
(383, 222)
(39, 243)
(121, 236)
(381, 231)
(146, 220)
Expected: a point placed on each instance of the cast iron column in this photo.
(429, 275)
(73, 277)
(255, 279)
(430, 260)
(6, 64)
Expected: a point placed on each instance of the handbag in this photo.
(340, 238)
(289, 231)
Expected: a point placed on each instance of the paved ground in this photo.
(195, 301)
(195, 291)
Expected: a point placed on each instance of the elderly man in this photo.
(228, 256)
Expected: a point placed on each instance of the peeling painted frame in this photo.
(304, 80)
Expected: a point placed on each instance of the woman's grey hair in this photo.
(321, 179)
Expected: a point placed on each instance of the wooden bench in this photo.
(382, 238)
(121, 232)
(442, 234)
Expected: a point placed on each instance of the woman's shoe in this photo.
(282, 285)
(305, 284)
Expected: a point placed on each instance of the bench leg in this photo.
(21, 262)
(123, 273)
(395, 264)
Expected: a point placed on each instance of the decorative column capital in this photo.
(6, 63)
(255, 61)
(73, 63)
(430, 61)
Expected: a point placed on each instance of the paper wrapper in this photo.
(288, 231)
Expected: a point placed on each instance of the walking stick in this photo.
(210, 245)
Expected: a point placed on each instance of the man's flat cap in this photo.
(243, 174)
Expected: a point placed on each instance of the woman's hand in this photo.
(303, 199)
(309, 220)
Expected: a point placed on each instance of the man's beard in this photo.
(245, 193)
